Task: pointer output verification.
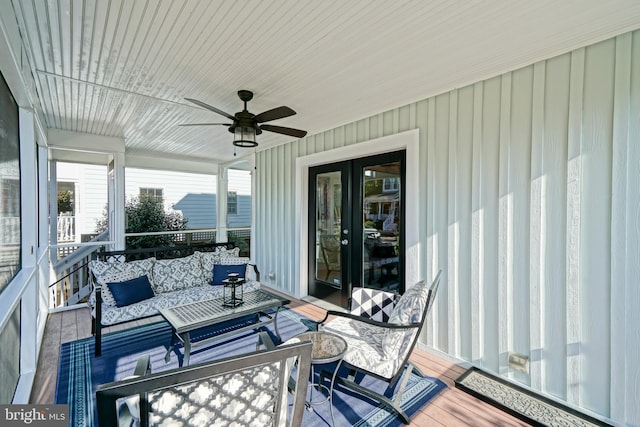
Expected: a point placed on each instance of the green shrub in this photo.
(145, 214)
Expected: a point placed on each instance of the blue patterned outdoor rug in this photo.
(80, 373)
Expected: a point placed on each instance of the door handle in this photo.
(344, 242)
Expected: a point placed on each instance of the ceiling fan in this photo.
(245, 125)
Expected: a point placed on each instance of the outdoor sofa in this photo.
(134, 284)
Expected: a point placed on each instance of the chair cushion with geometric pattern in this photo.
(372, 303)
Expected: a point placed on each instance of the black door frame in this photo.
(321, 289)
(351, 220)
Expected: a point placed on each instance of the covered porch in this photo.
(519, 126)
(451, 407)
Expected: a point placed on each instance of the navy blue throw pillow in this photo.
(130, 291)
(221, 272)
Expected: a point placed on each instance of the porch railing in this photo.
(66, 228)
(72, 271)
(72, 268)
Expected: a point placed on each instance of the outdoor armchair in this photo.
(244, 390)
(380, 348)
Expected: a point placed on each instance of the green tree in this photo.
(144, 214)
(65, 201)
(372, 187)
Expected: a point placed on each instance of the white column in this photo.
(221, 204)
(53, 208)
(29, 225)
(116, 191)
(252, 168)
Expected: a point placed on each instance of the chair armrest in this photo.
(366, 320)
(256, 271)
(265, 340)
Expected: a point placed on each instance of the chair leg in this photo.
(98, 338)
(392, 404)
(403, 382)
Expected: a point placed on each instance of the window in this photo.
(390, 184)
(10, 222)
(154, 193)
(232, 203)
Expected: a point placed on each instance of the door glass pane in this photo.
(381, 226)
(328, 225)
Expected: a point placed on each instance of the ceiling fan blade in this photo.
(205, 124)
(274, 114)
(209, 107)
(285, 131)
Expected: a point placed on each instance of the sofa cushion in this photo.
(150, 307)
(110, 272)
(131, 291)
(178, 273)
(222, 271)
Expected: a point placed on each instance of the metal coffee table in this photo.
(187, 318)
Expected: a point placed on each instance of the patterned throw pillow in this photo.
(178, 273)
(408, 310)
(207, 261)
(224, 252)
(372, 303)
(110, 272)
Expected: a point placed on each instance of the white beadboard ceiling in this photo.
(121, 68)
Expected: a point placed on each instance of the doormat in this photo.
(520, 402)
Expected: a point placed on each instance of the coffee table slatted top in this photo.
(190, 316)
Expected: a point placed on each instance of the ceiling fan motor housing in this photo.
(245, 95)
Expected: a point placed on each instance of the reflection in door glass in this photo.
(328, 224)
(381, 226)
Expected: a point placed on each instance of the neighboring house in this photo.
(191, 194)
(88, 185)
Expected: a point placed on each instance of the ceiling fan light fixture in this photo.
(244, 137)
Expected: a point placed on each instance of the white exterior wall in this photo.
(91, 193)
(531, 207)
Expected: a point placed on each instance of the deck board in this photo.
(451, 407)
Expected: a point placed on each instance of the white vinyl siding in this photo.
(530, 207)
(93, 196)
(90, 183)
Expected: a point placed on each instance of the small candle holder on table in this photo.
(233, 293)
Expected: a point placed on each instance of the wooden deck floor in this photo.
(452, 407)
